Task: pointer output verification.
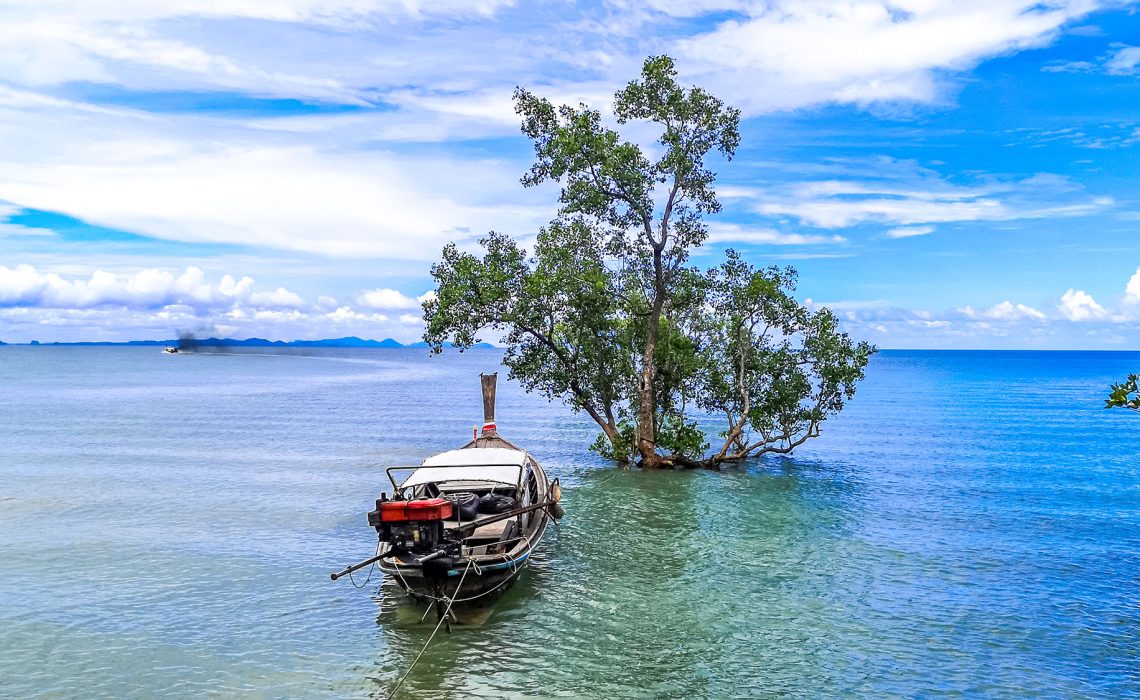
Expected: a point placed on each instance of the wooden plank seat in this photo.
(495, 532)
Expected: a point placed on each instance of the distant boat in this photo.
(460, 527)
(171, 350)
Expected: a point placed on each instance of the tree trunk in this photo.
(646, 386)
(646, 411)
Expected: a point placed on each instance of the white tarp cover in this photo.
(497, 464)
(490, 456)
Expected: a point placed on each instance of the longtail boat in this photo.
(459, 528)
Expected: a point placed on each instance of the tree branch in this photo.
(584, 398)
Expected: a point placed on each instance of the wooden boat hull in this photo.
(461, 526)
(469, 582)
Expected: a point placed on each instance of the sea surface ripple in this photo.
(969, 527)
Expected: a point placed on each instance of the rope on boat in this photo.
(401, 575)
(370, 569)
(490, 591)
(433, 632)
(515, 566)
(515, 571)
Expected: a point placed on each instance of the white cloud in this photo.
(469, 54)
(907, 232)
(7, 228)
(1005, 311)
(912, 197)
(20, 285)
(149, 288)
(848, 304)
(734, 233)
(1080, 323)
(386, 299)
(129, 41)
(1078, 305)
(324, 183)
(1068, 67)
(235, 288)
(155, 303)
(332, 12)
(1124, 61)
(278, 298)
(116, 323)
(1132, 289)
(15, 230)
(346, 314)
(494, 106)
(335, 184)
(1130, 304)
(864, 51)
(695, 8)
(106, 306)
(299, 197)
(1121, 60)
(278, 315)
(365, 184)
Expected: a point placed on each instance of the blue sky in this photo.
(942, 173)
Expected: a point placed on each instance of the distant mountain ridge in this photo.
(349, 342)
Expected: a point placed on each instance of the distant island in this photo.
(189, 343)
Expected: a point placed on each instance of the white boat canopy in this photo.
(497, 464)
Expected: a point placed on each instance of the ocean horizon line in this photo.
(390, 343)
(345, 342)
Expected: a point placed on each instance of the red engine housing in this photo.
(410, 511)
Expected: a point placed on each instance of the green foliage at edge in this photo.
(1125, 395)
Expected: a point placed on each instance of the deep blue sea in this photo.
(969, 527)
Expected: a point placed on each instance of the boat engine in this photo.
(411, 526)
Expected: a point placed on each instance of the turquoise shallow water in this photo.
(970, 527)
